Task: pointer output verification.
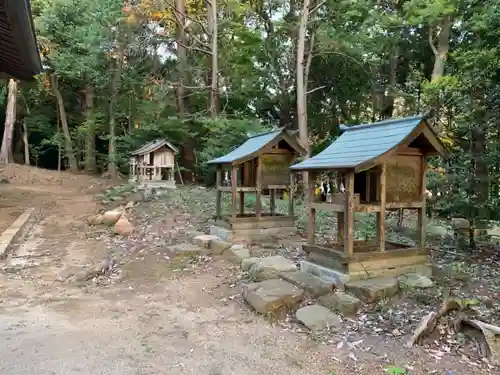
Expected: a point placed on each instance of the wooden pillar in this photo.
(273, 201)
(311, 229)
(421, 221)
(258, 185)
(349, 213)
(242, 202)
(381, 214)
(340, 215)
(290, 196)
(368, 186)
(218, 183)
(234, 185)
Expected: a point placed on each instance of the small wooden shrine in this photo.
(153, 165)
(261, 163)
(382, 166)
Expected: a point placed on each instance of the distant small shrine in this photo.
(153, 165)
(381, 167)
(260, 164)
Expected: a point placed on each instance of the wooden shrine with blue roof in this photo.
(260, 164)
(378, 167)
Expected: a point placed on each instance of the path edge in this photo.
(8, 234)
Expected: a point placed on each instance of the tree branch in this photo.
(316, 7)
(431, 42)
(315, 89)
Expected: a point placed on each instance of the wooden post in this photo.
(273, 201)
(368, 186)
(234, 185)
(421, 221)
(381, 214)
(290, 196)
(218, 183)
(242, 202)
(340, 215)
(311, 229)
(349, 214)
(258, 185)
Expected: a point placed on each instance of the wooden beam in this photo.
(258, 186)
(349, 214)
(273, 201)
(218, 203)
(234, 185)
(290, 196)
(381, 213)
(421, 221)
(311, 228)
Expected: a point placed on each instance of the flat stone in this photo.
(341, 302)
(314, 286)
(460, 223)
(372, 290)
(325, 273)
(414, 280)
(262, 239)
(317, 318)
(275, 296)
(205, 240)
(236, 253)
(186, 250)
(271, 268)
(220, 232)
(218, 246)
(247, 263)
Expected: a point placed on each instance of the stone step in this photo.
(312, 285)
(373, 290)
(341, 302)
(326, 274)
(271, 268)
(318, 318)
(274, 297)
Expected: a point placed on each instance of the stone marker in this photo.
(236, 253)
(247, 263)
(372, 290)
(273, 296)
(317, 318)
(314, 286)
(460, 223)
(218, 246)
(204, 240)
(340, 301)
(271, 268)
(414, 280)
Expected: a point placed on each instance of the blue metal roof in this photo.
(361, 143)
(252, 145)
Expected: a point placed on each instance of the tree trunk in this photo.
(301, 94)
(26, 144)
(187, 158)
(10, 119)
(441, 49)
(68, 143)
(214, 80)
(115, 87)
(90, 159)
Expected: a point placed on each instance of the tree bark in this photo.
(301, 94)
(10, 119)
(90, 158)
(26, 144)
(442, 48)
(68, 143)
(187, 158)
(214, 77)
(115, 87)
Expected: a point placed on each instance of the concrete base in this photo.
(8, 235)
(339, 278)
(249, 234)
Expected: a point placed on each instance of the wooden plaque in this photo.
(275, 169)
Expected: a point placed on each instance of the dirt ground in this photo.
(153, 318)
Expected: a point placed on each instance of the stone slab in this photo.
(414, 280)
(317, 318)
(313, 285)
(271, 268)
(205, 240)
(275, 297)
(236, 253)
(218, 246)
(8, 235)
(186, 250)
(247, 263)
(372, 290)
(340, 301)
(327, 274)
